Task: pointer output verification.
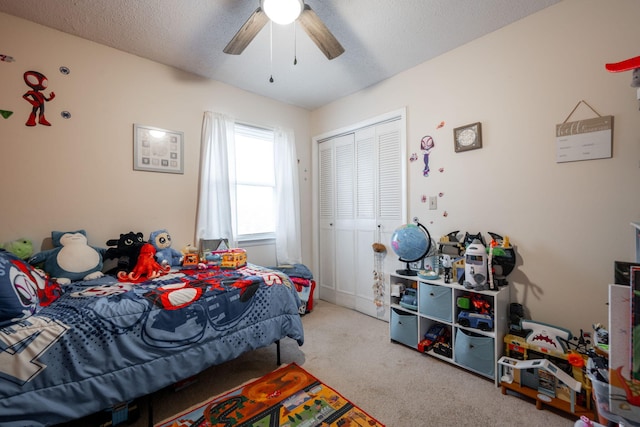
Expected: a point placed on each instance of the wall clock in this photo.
(467, 137)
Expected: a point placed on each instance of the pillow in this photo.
(21, 289)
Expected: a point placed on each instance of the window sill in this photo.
(256, 241)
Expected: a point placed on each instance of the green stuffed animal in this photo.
(22, 248)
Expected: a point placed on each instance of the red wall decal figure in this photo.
(37, 82)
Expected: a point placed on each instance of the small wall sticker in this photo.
(426, 145)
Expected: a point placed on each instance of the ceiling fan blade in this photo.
(319, 33)
(247, 32)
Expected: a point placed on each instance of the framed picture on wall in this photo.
(157, 150)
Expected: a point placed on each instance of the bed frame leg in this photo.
(150, 410)
(278, 353)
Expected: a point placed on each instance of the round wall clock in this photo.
(467, 137)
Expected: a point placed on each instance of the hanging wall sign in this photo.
(588, 139)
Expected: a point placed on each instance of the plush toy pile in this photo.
(71, 258)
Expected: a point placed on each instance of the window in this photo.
(266, 205)
(254, 209)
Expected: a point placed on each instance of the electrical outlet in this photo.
(433, 203)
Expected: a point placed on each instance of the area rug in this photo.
(288, 396)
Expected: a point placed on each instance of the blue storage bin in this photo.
(435, 301)
(404, 327)
(475, 352)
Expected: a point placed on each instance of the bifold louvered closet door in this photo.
(362, 199)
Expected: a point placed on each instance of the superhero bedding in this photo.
(89, 345)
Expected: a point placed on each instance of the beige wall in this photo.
(78, 172)
(568, 221)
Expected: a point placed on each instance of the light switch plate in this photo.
(433, 203)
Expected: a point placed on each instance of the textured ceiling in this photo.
(381, 38)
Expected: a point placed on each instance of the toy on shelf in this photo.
(446, 262)
(428, 274)
(450, 245)
(503, 260)
(516, 314)
(471, 238)
(480, 321)
(409, 299)
(438, 333)
(480, 267)
(475, 262)
(476, 312)
(601, 338)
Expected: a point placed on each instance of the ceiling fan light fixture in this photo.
(282, 12)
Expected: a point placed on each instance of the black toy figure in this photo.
(126, 251)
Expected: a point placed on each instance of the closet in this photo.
(361, 199)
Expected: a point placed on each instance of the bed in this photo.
(102, 342)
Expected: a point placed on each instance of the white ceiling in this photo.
(381, 38)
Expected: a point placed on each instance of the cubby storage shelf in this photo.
(476, 349)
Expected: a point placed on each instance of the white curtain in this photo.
(214, 219)
(288, 247)
(217, 198)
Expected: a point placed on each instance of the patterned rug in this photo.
(288, 396)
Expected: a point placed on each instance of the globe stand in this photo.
(407, 272)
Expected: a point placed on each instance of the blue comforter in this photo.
(104, 342)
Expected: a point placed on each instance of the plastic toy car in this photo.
(443, 349)
(438, 333)
(476, 320)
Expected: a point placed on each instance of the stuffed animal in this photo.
(126, 251)
(165, 254)
(71, 258)
(146, 268)
(22, 248)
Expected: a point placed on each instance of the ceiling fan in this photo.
(306, 17)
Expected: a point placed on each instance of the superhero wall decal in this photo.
(38, 82)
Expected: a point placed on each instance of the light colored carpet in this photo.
(352, 353)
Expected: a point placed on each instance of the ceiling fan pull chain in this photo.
(271, 50)
(295, 44)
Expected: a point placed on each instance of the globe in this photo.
(411, 243)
